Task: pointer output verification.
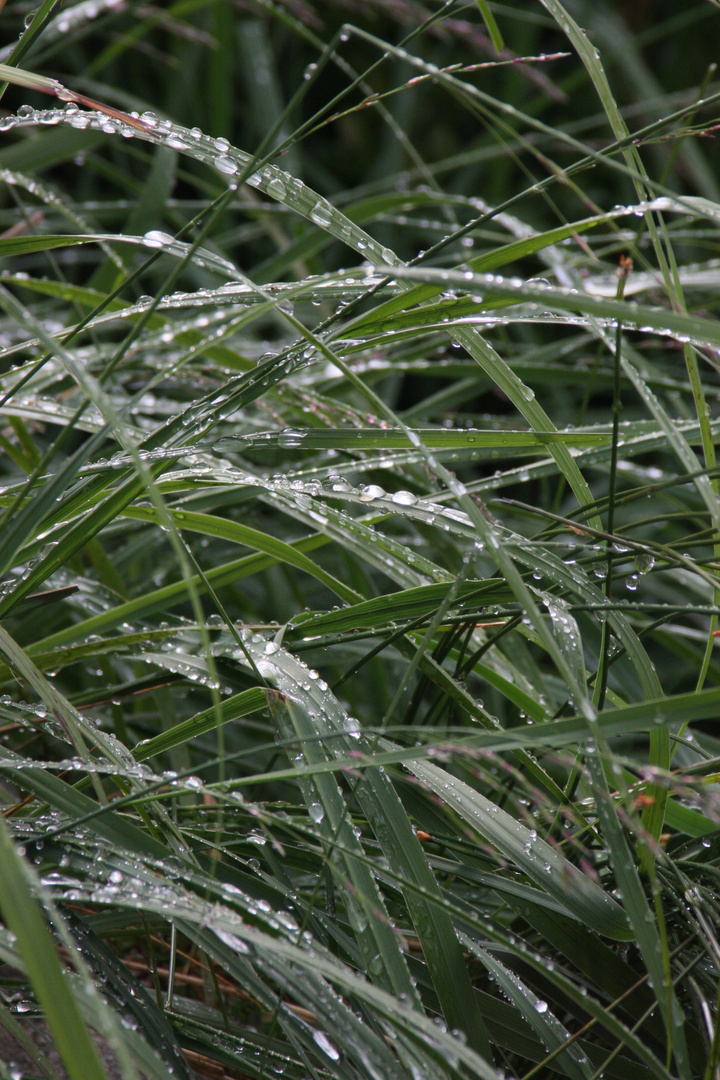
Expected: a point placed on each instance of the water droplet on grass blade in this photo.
(371, 492)
(156, 239)
(276, 188)
(326, 1046)
(225, 165)
(289, 439)
(321, 213)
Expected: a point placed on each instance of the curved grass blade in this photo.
(312, 710)
(22, 914)
(535, 1011)
(578, 894)
(643, 922)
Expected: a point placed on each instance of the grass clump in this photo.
(359, 541)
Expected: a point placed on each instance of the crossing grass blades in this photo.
(359, 542)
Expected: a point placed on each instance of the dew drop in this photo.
(320, 213)
(225, 165)
(276, 188)
(326, 1046)
(156, 239)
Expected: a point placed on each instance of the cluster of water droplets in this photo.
(45, 194)
(534, 298)
(534, 1009)
(236, 294)
(567, 634)
(135, 771)
(227, 160)
(157, 240)
(183, 655)
(93, 870)
(43, 409)
(632, 444)
(74, 17)
(294, 679)
(522, 846)
(338, 487)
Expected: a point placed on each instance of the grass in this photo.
(359, 541)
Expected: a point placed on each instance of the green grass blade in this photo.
(541, 863)
(22, 914)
